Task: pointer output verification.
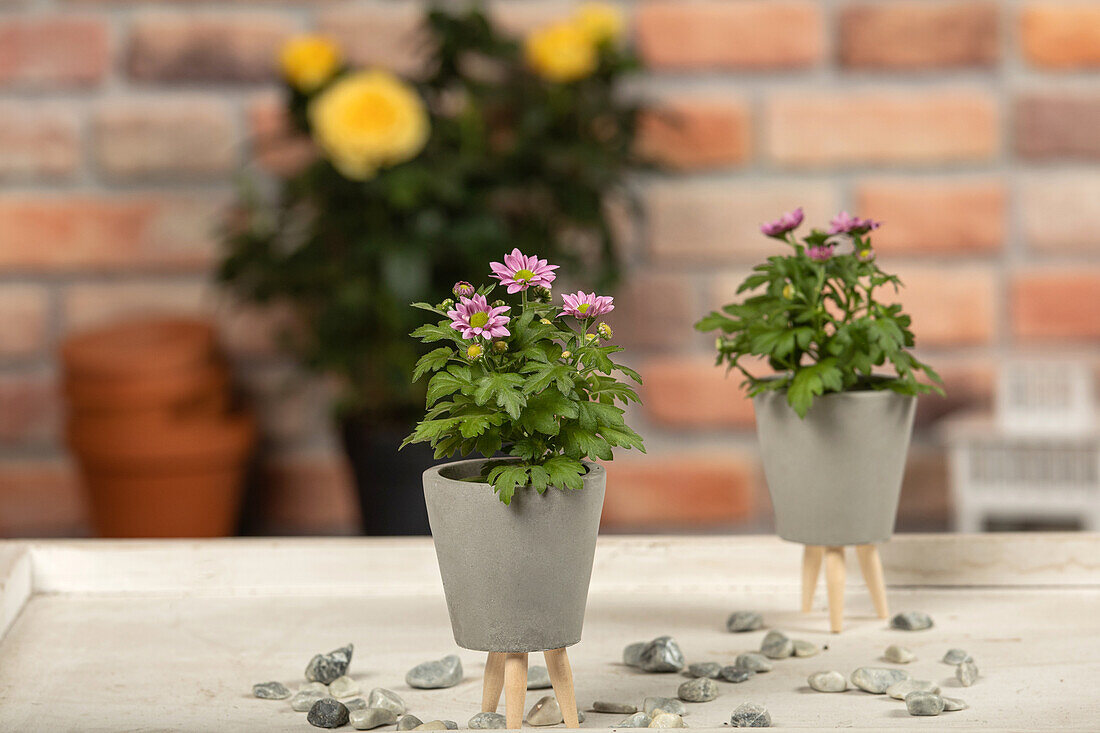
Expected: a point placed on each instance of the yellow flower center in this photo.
(474, 351)
(583, 308)
(479, 319)
(523, 275)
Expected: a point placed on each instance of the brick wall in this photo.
(971, 128)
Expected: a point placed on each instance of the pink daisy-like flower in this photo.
(845, 223)
(587, 305)
(463, 289)
(820, 253)
(783, 224)
(520, 272)
(474, 317)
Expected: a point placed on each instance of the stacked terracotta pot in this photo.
(161, 448)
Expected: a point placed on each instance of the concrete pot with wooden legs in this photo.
(515, 576)
(835, 479)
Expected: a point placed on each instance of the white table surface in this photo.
(152, 636)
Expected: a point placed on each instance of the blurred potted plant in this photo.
(498, 143)
(515, 535)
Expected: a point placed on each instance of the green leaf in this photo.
(443, 384)
(622, 437)
(505, 389)
(430, 332)
(812, 381)
(433, 361)
(505, 479)
(565, 473)
(583, 443)
(543, 411)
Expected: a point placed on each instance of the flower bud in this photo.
(865, 255)
(544, 321)
(448, 303)
(463, 289)
(474, 351)
(497, 303)
(788, 291)
(718, 343)
(590, 337)
(542, 294)
(500, 347)
(566, 354)
(605, 331)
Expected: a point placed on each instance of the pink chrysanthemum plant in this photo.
(528, 385)
(815, 317)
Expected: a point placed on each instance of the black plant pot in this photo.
(388, 481)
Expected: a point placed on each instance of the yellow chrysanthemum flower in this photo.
(369, 120)
(309, 61)
(562, 52)
(601, 22)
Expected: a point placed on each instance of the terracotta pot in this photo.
(202, 388)
(145, 346)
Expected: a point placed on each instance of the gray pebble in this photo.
(911, 621)
(661, 655)
(325, 668)
(951, 704)
(735, 674)
(829, 681)
(408, 722)
(317, 688)
(877, 680)
(702, 689)
(899, 690)
(445, 672)
(545, 712)
(632, 653)
(956, 656)
(898, 654)
(704, 669)
(432, 725)
(754, 662)
(923, 703)
(356, 704)
(450, 725)
(966, 673)
(740, 621)
(328, 713)
(538, 678)
(667, 720)
(622, 708)
(270, 691)
(751, 715)
(343, 686)
(380, 697)
(368, 718)
(667, 704)
(805, 648)
(303, 701)
(776, 645)
(486, 721)
(637, 720)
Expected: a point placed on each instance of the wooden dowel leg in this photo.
(494, 682)
(871, 565)
(561, 677)
(834, 581)
(515, 688)
(811, 569)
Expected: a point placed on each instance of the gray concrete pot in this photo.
(516, 577)
(835, 477)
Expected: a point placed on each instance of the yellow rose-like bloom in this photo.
(561, 52)
(601, 22)
(309, 61)
(369, 120)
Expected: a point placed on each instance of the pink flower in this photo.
(783, 224)
(845, 223)
(473, 317)
(520, 272)
(463, 289)
(587, 305)
(821, 252)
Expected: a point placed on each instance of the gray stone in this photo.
(667, 704)
(356, 704)
(667, 720)
(966, 673)
(538, 678)
(660, 655)
(702, 689)
(751, 715)
(923, 703)
(704, 669)
(325, 668)
(733, 673)
(317, 688)
(741, 621)
(445, 672)
(432, 725)
(622, 708)
(951, 704)
(637, 720)
(956, 656)
(877, 680)
(270, 691)
(487, 721)
(380, 697)
(911, 621)
(408, 722)
(303, 701)
(754, 662)
(899, 690)
(580, 715)
(343, 686)
(368, 718)
(898, 654)
(827, 681)
(805, 648)
(545, 712)
(450, 725)
(776, 645)
(632, 653)
(328, 713)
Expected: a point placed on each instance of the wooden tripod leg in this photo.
(871, 566)
(494, 682)
(515, 688)
(561, 677)
(834, 581)
(811, 569)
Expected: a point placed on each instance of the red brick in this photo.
(41, 498)
(677, 491)
(1056, 305)
(1058, 126)
(915, 127)
(719, 221)
(48, 52)
(176, 139)
(308, 494)
(80, 232)
(1061, 35)
(206, 46)
(38, 141)
(919, 35)
(1058, 212)
(276, 146)
(24, 319)
(655, 310)
(695, 134)
(31, 409)
(950, 306)
(382, 34)
(935, 217)
(691, 392)
(90, 304)
(713, 34)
